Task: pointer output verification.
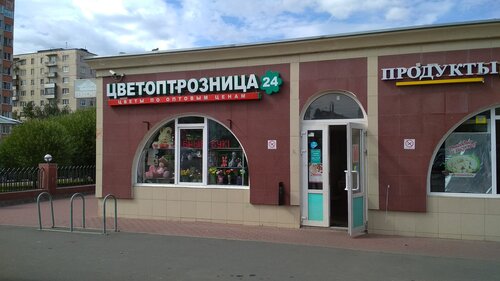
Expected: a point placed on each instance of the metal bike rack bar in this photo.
(104, 213)
(71, 210)
(51, 209)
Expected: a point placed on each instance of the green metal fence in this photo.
(75, 175)
(19, 179)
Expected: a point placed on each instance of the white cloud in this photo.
(90, 8)
(397, 14)
(112, 26)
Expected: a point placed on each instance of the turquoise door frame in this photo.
(314, 175)
(356, 179)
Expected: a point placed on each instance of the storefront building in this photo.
(390, 132)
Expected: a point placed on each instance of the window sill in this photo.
(463, 195)
(197, 186)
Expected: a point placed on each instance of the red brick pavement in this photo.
(27, 215)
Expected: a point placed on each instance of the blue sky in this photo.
(108, 27)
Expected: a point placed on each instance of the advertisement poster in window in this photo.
(468, 162)
(315, 166)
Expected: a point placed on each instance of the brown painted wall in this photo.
(334, 75)
(424, 113)
(253, 123)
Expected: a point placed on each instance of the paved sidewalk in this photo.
(27, 215)
(29, 254)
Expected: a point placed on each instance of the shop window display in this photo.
(226, 161)
(463, 162)
(158, 157)
(193, 151)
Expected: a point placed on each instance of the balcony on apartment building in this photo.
(51, 63)
(49, 94)
(50, 90)
(51, 74)
(49, 85)
(52, 60)
(15, 94)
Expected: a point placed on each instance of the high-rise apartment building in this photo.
(49, 76)
(7, 35)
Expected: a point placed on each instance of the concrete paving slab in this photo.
(167, 250)
(29, 254)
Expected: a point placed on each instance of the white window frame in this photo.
(177, 183)
(198, 126)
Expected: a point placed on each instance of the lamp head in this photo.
(47, 158)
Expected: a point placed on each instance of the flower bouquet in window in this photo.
(186, 175)
(190, 175)
(241, 174)
(220, 176)
(196, 175)
(231, 176)
(212, 172)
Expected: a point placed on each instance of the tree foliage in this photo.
(80, 127)
(69, 138)
(50, 109)
(29, 142)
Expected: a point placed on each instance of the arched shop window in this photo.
(464, 163)
(333, 106)
(193, 151)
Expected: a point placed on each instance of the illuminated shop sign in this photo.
(205, 89)
(432, 73)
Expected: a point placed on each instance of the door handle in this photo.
(347, 181)
(346, 172)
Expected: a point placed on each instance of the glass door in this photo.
(355, 180)
(191, 154)
(315, 207)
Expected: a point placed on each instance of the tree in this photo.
(80, 127)
(70, 139)
(50, 109)
(29, 110)
(29, 142)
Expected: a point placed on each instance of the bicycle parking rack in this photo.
(71, 228)
(104, 213)
(40, 214)
(71, 210)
